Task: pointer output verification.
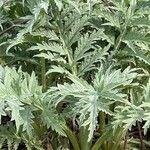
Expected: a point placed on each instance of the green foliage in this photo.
(73, 70)
(10, 139)
(22, 99)
(90, 100)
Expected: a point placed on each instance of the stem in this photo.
(43, 72)
(117, 138)
(13, 26)
(68, 53)
(70, 59)
(99, 142)
(83, 137)
(126, 141)
(39, 129)
(72, 137)
(102, 126)
(74, 69)
(141, 138)
(121, 37)
(33, 104)
(101, 121)
(119, 40)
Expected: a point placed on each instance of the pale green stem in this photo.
(70, 58)
(117, 138)
(102, 125)
(120, 38)
(83, 138)
(101, 121)
(99, 142)
(72, 137)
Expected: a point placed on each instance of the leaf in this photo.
(1, 3)
(106, 35)
(57, 69)
(41, 5)
(17, 90)
(14, 43)
(146, 106)
(9, 137)
(86, 106)
(27, 117)
(127, 116)
(106, 83)
(85, 44)
(147, 92)
(113, 19)
(59, 4)
(136, 52)
(75, 5)
(89, 62)
(54, 47)
(15, 107)
(136, 36)
(44, 5)
(51, 57)
(32, 83)
(90, 100)
(75, 27)
(51, 119)
(146, 116)
(140, 22)
(50, 34)
(2, 108)
(147, 124)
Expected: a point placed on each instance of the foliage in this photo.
(73, 74)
